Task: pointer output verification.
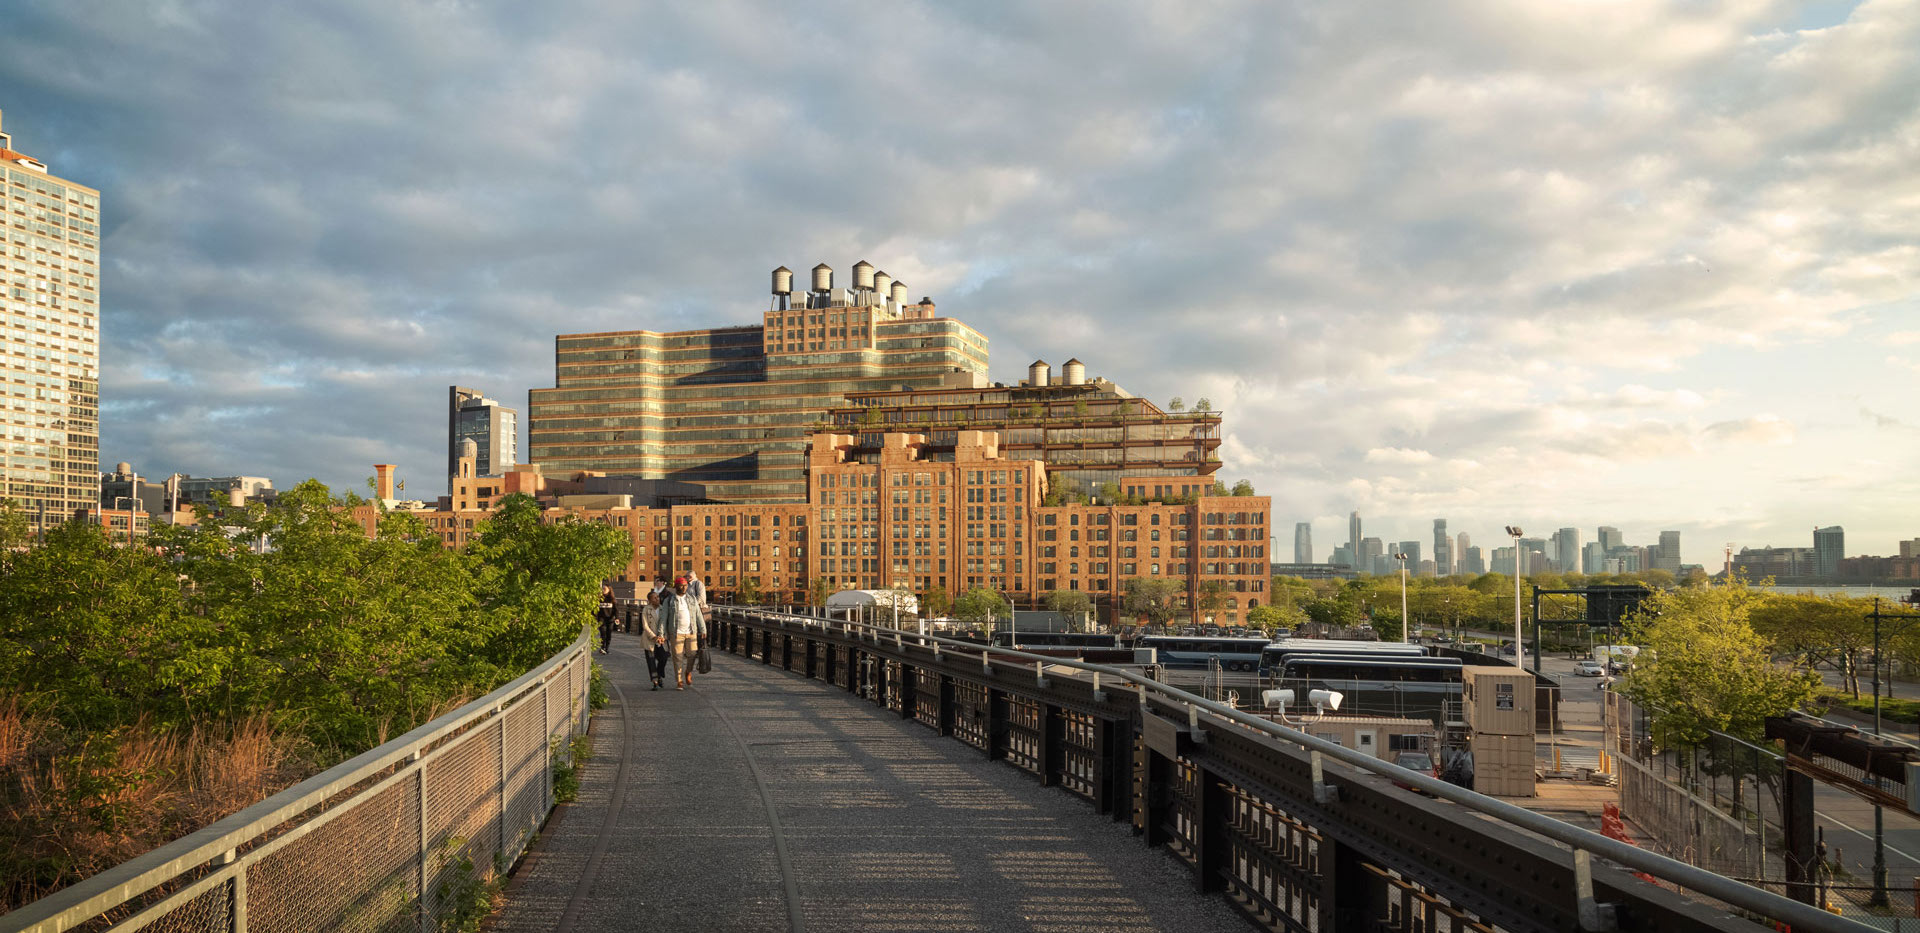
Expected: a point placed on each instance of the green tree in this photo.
(1813, 630)
(1709, 669)
(14, 530)
(1176, 404)
(1243, 488)
(1270, 617)
(818, 589)
(1080, 409)
(979, 604)
(1154, 598)
(936, 602)
(1212, 596)
(1074, 604)
(748, 593)
(539, 582)
(1205, 404)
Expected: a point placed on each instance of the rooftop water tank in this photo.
(783, 281)
(863, 274)
(1075, 372)
(1039, 373)
(899, 293)
(822, 277)
(883, 285)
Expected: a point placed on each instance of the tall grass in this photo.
(71, 805)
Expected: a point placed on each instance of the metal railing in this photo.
(392, 839)
(1257, 809)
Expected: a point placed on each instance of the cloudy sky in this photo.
(1644, 264)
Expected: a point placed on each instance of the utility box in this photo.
(1503, 764)
(1499, 700)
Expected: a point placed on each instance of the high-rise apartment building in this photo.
(1610, 538)
(732, 408)
(1442, 549)
(1829, 545)
(1353, 541)
(1303, 542)
(493, 428)
(1566, 550)
(49, 339)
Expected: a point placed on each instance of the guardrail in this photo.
(390, 839)
(1298, 832)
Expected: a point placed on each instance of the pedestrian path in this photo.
(759, 800)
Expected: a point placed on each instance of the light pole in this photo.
(1879, 896)
(1518, 572)
(1405, 623)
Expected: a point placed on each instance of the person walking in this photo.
(697, 590)
(683, 626)
(656, 651)
(607, 615)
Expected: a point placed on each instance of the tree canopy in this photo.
(1706, 668)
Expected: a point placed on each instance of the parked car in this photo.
(1414, 761)
(1588, 667)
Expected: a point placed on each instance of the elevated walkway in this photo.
(758, 800)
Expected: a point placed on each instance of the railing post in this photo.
(1112, 764)
(946, 705)
(420, 785)
(766, 647)
(1156, 792)
(236, 893)
(996, 724)
(1053, 744)
(909, 692)
(1343, 887)
(813, 658)
(1210, 856)
(500, 730)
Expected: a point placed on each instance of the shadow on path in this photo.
(759, 800)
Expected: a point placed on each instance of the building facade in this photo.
(920, 516)
(1829, 546)
(50, 333)
(732, 408)
(1303, 542)
(493, 428)
(1442, 549)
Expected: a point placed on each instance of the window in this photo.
(1503, 696)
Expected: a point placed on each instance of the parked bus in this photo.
(1007, 639)
(1193, 653)
(1376, 685)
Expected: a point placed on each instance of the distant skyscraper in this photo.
(1341, 558)
(1371, 552)
(1470, 559)
(50, 341)
(1412, 550)
(1829, 545)
(1610, 538)
(1303, 542)
(1667, 555)
(1442, 549)
(1566, 550)
(493, 428)
(1353, 540)
(1593, 557)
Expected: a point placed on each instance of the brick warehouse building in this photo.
(852, 437)
(920, 515)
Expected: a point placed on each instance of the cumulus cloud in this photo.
(1460, 231)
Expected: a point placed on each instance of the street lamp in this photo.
(1404, 622)
(1879, 896)
(1519, 571)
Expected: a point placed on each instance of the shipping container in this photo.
(1499, 700)
(1503, 765)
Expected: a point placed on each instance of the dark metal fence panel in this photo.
(1299, 834)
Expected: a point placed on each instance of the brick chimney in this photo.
(383, 481)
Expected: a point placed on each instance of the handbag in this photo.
(704, 662)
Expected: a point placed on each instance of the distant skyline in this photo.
(1642, 264)
(1495, 537)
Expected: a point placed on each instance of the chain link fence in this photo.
(1718, 806)
(401, 838)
